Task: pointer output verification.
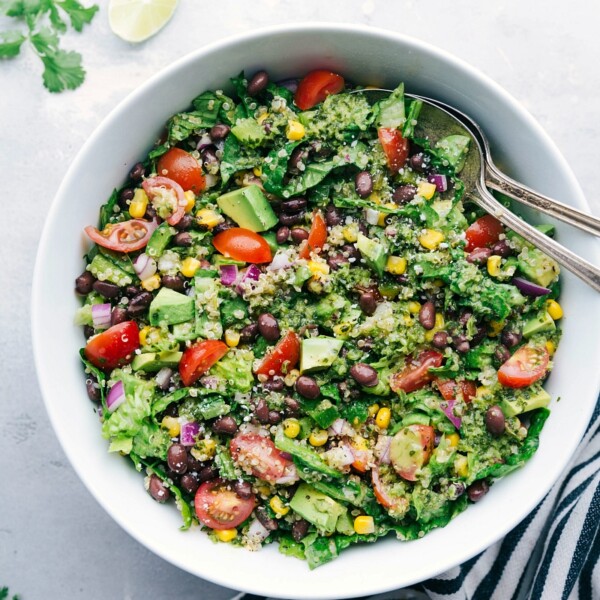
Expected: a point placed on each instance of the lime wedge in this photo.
(137, 20)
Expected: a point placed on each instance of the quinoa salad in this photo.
(300, 331)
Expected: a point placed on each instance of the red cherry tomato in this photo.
(398, 505)
(316, 86)
(182, 167)
(317, 236)
(524, 367)
(242, 244)
(164, 192)
(283, 358)
(410, 450)
(416, 374)
(127, 236)
(394, 146)
(114, 347)
(482, 233)
(258, 455)
(219, 507)
(450, 388)
(199, 358)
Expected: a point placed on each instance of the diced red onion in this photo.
(529, 288)
(440, 181)
(346, 455)
(203, 142)
(144, 266)
(252, 273)
(210, 180)
(257, 532)
(115, 397)
(163, 376)
(229, 274)
(372, 216)
(337, 427)
(280, 261)
(290, 475)
(289, 84)
(189, 432)
(383, 446)
(285, 455)
(101, 315)
(447, 409)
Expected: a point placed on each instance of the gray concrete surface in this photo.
(55, 540)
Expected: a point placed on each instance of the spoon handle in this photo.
(569, 260)
(500, 182)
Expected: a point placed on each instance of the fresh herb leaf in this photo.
(107, 210)
(10, 43)
(78, 14)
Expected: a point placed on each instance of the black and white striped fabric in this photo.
(553, 554)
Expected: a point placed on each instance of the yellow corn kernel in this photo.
(384, 415)
(408, 321)
(414, 307)
(143, 335)
(279, 508)
(350, 233)
(137, 208)
(190, 199)
(290, 378)
(482, 391)
(439, 324)
(431, 239)
(261, 118)
(152, 283)
(493, 265)
(375, 197)
(189, 266)
(291, 428)
(551, 347)
(209, 218)
(496, 328)
(373, 409)
(232, 338)
(364, 524)
(318, 268)
(453, 439)
(554, 309)
(172, 425)
(226, 535)
(318, 437)
(381, 219)
(426, 190)
(396, 265)
(204, 449)
(295, 130)
(461, 465)
(257, 171)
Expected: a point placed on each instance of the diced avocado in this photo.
(318, 353)
(373, 252)
(317, 508)
(249, 208)
(159, 240)
(524, 400)
(538, 267)
(324, 413)
(543, 322)
(454, 148)
(219, 259)
(170, 307)
(183, 332)
(344, 524)
(248, 132)
(303, 273)
(104, 269)
(150, 362)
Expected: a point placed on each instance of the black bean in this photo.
(365, 375)
(194, 464)
(157, 489)
(292, 406)
(368, 303)
(282, 235)
(93, 389)
(173, 282)
(207, 473)
(502, 249)
(268, 327)
(511, 338)
(480, 335)
(461, 344)
(132, 290)
(125, 198)
(319, 148)
(243, 489)
(150, 213)
(477, 490)
(84, 283)
(289, 220)
(293, 206)
(274, 385)
(298, 234)
(299, 529)
(219, 131)
(479, 256)
(455, 490)
(495, 422)
(224, 226)
(106, 289)
(440, 339)
(351, 251)
(258, 83)
(417, 162)
(335, 261)
(333, 216)
(177, 458)
(88, 331)
(501, 353)
(189, 482)
(404, 194)
(137, 172)
(306, 386)
(363, 184)
(248, 333)
(209, 157)
(185, 223)
(268, 522)
(274, 417)
(138, 304)
(261, 410)
(298, 157)
(118, 315)
(225, 425)
(427, 315)
(183, 239)
(362, 227)
(464, 318)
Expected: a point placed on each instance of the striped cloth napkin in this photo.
(553, 554)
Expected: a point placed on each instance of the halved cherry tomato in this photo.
(449, 388)
(283, 358)
(410, 450)
(114, 347)
(182, 167)
(316, 86)
(394, 146)
(219, 507)
(199, 358)
(416, 374)
(483, 232)
(316, 237)
(127, 236)
(397, 505)
(258, 455)
(524, 367)
(242, 244)
(167, 198)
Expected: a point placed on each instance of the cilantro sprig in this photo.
(45, 21)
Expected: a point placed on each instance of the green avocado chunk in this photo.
(249, 208)
(318, 353)
(317, 508)
(170, 307)
(537, 267)
(373, 252)
(524, 400)
(150, 362)
(540, 324)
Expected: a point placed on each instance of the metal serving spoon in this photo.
(436, 122)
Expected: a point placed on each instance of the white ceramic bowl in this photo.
(364, 55)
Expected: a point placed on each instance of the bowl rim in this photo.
(214, 47)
